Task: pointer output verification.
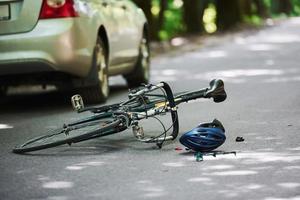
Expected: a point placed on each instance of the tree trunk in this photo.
(261, 8)
(228, 14)
(193, 15)
(285, 6)
(146, 6)
(161, 15)
(245, 7)
(282, 6)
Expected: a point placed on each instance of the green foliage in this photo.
(173, 24)
(296, 7)
(209, 19)
(253, 19)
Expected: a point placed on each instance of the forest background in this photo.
(170, 18)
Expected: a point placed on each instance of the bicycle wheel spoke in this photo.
(68, 134)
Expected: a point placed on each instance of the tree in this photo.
(282, 6)
(146, 6)
(246, 7)
(228, 14)
(193, 15)
(261, 8)
(155, 23)
(285, 6)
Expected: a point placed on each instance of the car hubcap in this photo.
(102, 73)
(145, 60)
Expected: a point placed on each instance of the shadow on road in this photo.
(44, 100)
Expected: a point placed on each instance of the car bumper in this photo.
(53, 45)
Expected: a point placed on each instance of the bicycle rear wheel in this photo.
(69, 134)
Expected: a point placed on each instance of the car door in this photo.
(128, 30)
(125, 46)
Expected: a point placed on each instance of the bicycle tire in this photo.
(85, 131)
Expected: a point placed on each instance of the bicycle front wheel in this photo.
(69, 134)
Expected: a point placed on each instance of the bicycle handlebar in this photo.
(215, 91)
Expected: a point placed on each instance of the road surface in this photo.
(261, 71)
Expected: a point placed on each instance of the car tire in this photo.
(98, 93)
(141, 73)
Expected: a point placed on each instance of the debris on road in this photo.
(239, 139)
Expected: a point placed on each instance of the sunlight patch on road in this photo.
(58, 185)
(199, 179)
(5, 126)
(231, 173)
(261, 168)
(169, 72)
(252, 186)
(202, 180)
(43, 178)
(209, 54)
(293, 167)
(92, 163)
(74, 168)
(228, 193)
(152, 191)
(282, 38)
(270, 62)
(289, 185)
(282, 79)
(219, 167)
(268, 157)
(294, 149)
(234, 73)
(240, 40)
(80, 166)
(288, 198)
(235, 76)
(178, 41)
(295, 21)
(174, 164)
(217, 54)
(262, 47)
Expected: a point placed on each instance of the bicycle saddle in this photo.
(216, 91)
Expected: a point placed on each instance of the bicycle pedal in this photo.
(77, 102)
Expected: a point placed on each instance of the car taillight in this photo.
(58, 9)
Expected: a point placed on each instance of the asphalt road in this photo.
(261, 71)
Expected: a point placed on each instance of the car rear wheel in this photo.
(98, 93)
(141, 72)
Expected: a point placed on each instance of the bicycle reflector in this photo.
(205, 137)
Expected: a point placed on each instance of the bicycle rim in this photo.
(69, 134)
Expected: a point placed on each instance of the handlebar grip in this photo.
(216, 91)
(172, 105)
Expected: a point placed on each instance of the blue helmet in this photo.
(205, 137)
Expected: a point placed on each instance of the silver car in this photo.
(72, 44)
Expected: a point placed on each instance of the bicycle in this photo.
(144, 102)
